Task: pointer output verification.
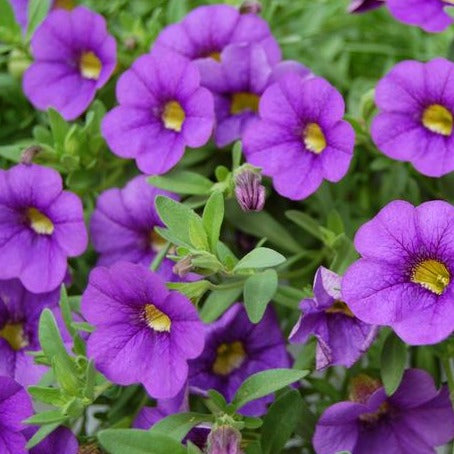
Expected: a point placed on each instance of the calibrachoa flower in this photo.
(15, 406)
(162, 110)
(235, 348)
(122, 225)
(405, 276)
(74, 56)
(144, 332)
(206, 31)
(361, 6)
(40, 227)
(415, 122)
(19, 318)
(341, 337)
(430, 15)
(416, 418)
(60, 441)
(301, 138)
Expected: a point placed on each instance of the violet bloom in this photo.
(60, 441)
(122, 225)
(144, 333)
(415, 122)
(249, 192)
(405, 276)
(415, 419)
(204, 33)
(301, 138)
(74, 56)
(430, 15)
(361, 6)
(235, 348)
(341, 337)
(163, 109)
(15, 406)
(41, 226)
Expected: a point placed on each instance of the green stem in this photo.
(446, 362)
(160, 257)
(230, 285)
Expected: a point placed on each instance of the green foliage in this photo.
(393, 362)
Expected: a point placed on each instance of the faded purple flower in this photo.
(235, 348)
(40, 227)
(301, 138)
(249, 191)
(361, 6)
(341, 337)
(415, 122)
(15, 406)
(163, 109)
(405, 276)
(144, 333)
(224, 439)
(74, 56)
(415, 419)
(430, 15)
(60, 441)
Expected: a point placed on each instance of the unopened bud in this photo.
(224, 440)
(183, 267)
(361, 6)
(249, 191)
(250, 7)
(29, 154)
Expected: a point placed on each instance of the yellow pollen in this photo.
(157, 241)
(314, 139)
(244, 102)
(173, 116)
(156, 319)
(64, 4)
(229, 357)
(13, 333)
(90, 66)
(215, 56)
(39, 222)
(438, 119)
(339, 307)
(432, 275)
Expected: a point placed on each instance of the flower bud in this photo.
(249, 191)
(250, 7)
(224, 440)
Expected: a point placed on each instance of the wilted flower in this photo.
(74, 56)
(251, 6)
(224, 439)
(341, 337)
(41, 227)
(416, 416)
(361, 6)
(301, 138)
(236, 348)
(249, 191)
(416, 122)
(163, 109)
(405, 276)
(144, 333)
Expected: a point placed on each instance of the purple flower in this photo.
(415, 122)
(300, 138)
(144, 332)
(361, 6)
(430, 15)
(122, 225)
(405, 276)
(40, 227)
(74, 56)
(249, 191)
(415, 419)
(19, 318)
(15, 406)
(162, 110)
(206, 31)
(341, 337)
(60, 441)
(235, 348)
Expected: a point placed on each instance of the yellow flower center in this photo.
(243, 102)
(64, 4)
(432, 275)
(339, 307)
(13, 333)
(215, 56)
(173, 116)
(39, 222)
(229, 357)
(156, 319)
(438, 119)
(314, 139)
(90, 66)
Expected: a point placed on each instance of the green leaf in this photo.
(191, 448)
(41, 434)
(178, 425)
(176, 10)
(193, 290)
(345, 254)
(52, 396)
(59, 128)
(306, 223)
(134, 441)
(218, 302)
(280, 421)
(9, 28)
(392, 363)
(213, 215)
(259, 289)
(261, 257)
(66, 311)
(264, 383)
(46, 417)
(37, 11)
(182, 182)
